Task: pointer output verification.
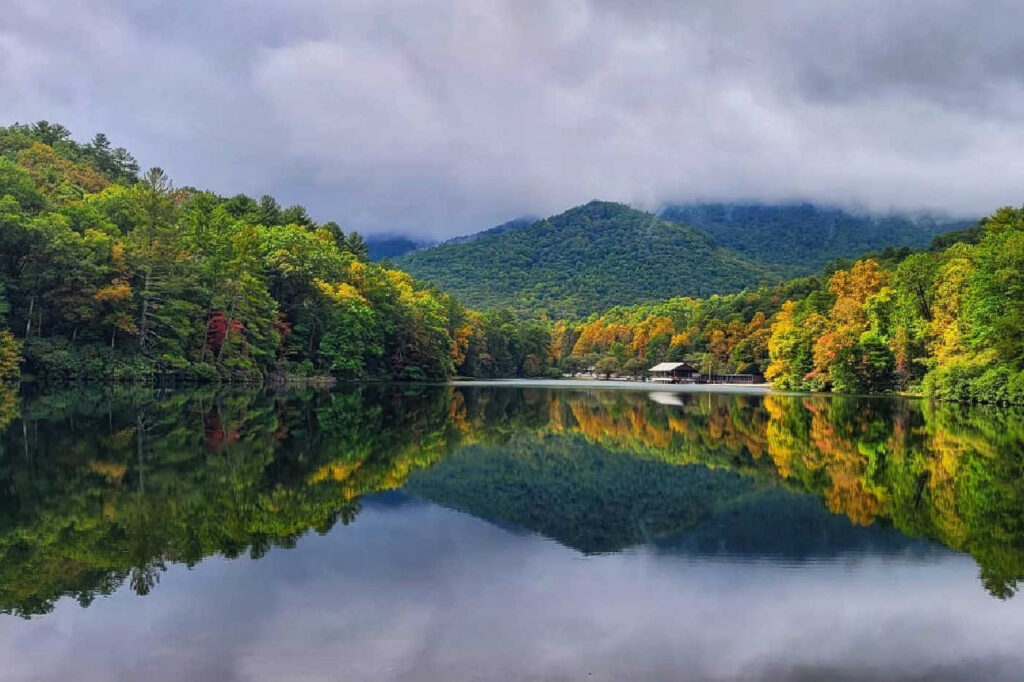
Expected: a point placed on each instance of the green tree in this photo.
(607, 366)
(635, 367)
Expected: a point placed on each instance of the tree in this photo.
(356, 245)
(839, 358)
(268, 212)
(210, 287)
(791, 347)
(635, 367)
(607, 366)
(296, 215)
(589, 361)
(50, 133)
(573, 365)
(351, 337)
(17, 183)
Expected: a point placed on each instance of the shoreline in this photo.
(752, 389)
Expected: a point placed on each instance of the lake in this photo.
(395, 532)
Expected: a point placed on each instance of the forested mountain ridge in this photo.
(584, 260)
(804, 237)
(393, 246)
(108, 275)
(507, 226)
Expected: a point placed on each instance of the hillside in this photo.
(106, 274)
(381, 246)
(584, 260)
(803, 237)
(507, 226)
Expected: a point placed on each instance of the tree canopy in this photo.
(105, 273)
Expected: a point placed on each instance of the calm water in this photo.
(484, 533)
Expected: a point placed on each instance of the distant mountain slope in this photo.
(391, 246)
(497, 229)
(585, 260)
(803, 237)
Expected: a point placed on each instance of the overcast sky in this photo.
(441, 117)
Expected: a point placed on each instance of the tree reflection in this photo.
(951, 473)
(99, 487)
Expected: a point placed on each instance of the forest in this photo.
(946, 322)
(106, 273)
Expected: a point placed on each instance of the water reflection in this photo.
(101, 488)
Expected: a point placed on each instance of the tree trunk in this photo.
(31, 307)
(227, 331)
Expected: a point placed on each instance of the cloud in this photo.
(438, 117)
(425, 593)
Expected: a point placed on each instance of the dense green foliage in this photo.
(803, 237)
(507, 226)
(948, 322)
(584, 260)
(99, 488)
(106, 275)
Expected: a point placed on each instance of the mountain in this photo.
(381, 246)
(803, 237)
(584, 260)
(596, 500)
(508, 226)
